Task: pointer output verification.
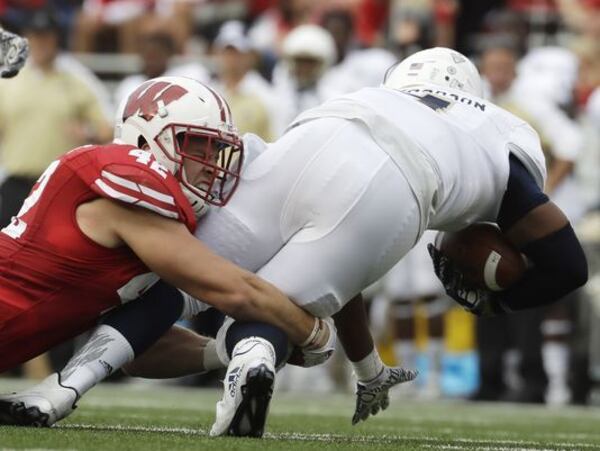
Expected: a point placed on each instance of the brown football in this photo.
(484, 255)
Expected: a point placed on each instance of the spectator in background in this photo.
(98, 17)
(14, 13)
(583, 16)
(249, 95)
(411, 27)
(308, 52)
(124, 20)
(505, 27)
(156, 51)
(340, 23)
(175, 17)
(588, 54)
(355, 67)
(499, 69)
(270, 28)
(372, 17)
(43, 113)
(545, 88)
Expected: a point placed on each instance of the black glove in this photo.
(479, 301)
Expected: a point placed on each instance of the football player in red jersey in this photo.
(104, 222)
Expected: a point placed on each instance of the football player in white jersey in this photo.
(348, 190)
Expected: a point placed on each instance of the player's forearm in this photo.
(244, 296)
(241, 295)
(169, 250)
(270, 305)
(560, 266)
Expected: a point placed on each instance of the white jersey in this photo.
(457, 164)
(348, 190)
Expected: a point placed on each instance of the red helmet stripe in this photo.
(223, 107)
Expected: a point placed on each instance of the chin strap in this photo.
(200, 206)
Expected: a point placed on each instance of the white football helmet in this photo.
(311, 42)
(439, 66)
(189, 129)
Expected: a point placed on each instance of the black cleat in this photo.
(15, 413)
(251, 415)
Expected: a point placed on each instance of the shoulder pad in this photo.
(133, 176)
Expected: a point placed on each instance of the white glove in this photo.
(13, 53)
(318, 348)
(372, 396)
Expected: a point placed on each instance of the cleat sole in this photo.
(251, 415)
(14, 413)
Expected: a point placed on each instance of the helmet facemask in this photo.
(207, 161)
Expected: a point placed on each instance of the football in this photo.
(484, 255)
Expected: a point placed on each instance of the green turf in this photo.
(142, 417)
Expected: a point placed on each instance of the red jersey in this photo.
(54, 281)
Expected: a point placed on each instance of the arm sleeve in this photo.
(559, 267)
(522, 195)
(559, 263)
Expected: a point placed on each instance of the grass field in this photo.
(150, 417)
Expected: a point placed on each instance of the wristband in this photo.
(311, 338)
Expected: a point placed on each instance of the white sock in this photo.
(368, 368)
(105, 351)
(210, 357)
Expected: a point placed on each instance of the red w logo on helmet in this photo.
(145, 99)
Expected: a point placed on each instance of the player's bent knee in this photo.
(244, 329)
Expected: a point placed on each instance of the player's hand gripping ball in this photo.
(475, 265)
(483, 255)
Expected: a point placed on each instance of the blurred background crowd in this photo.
(275, 58)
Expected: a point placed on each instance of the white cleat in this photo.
(248, 387)
(39, 406)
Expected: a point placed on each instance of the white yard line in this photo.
(430, 442)
(38, 449)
